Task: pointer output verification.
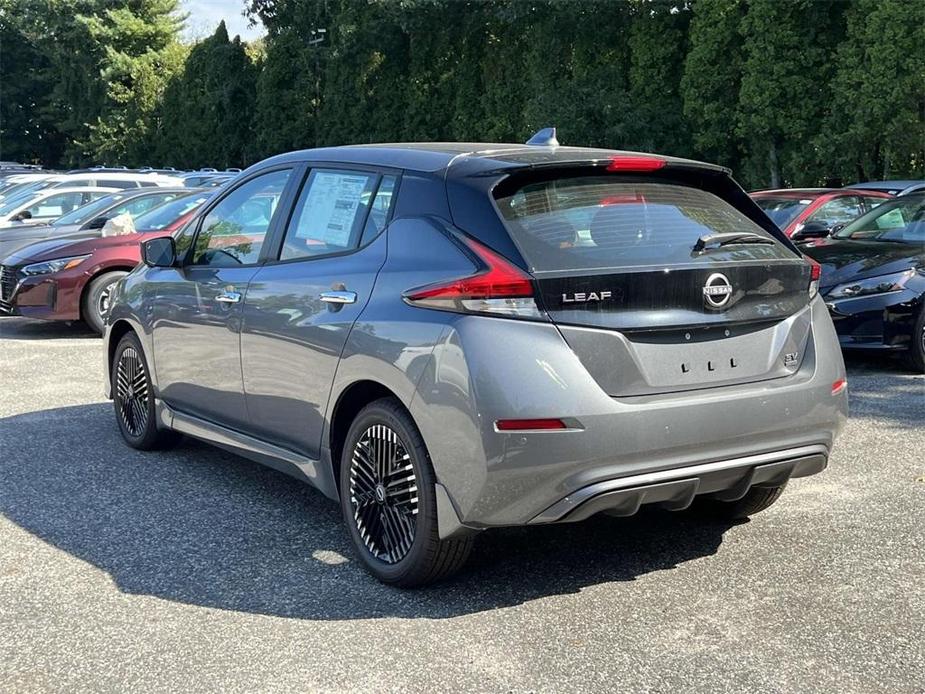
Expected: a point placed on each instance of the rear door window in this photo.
(596, 222)
(330, 213)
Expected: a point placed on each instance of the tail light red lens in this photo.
(501, 288)
(839, 385)
(529, 424)
(635, 162)
(814, 274)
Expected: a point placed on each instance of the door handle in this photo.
(339, 297)
(227, 297)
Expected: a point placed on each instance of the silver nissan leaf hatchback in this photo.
(447, 338)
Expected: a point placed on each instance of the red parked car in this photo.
(805, 213)
(70, 278)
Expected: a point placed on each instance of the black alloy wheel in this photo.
(384, 494)
(133, 398)
(389, 500)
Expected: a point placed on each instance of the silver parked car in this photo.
(453, 337)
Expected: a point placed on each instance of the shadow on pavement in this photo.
(199, 526)
(15, 328)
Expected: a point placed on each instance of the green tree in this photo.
(658, 44)
(206, 115)
(785, 89)
(876, 126)
(711, 80)
(28, 131)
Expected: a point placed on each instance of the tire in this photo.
(389, 503)
(915, 357)
(756, 500)
(133, 399)
(95, 301)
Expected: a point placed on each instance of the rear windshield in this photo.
(595, 222)
(782, 211)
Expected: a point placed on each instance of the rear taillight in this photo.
(814, 274)
(500, 288)
(839, 385)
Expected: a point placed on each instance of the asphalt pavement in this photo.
(195, 570)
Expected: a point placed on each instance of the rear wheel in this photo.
(389, 503)
(133, 398)
(916, 354)
(96, 299)
(756, 500)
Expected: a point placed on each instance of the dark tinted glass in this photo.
(587, 223)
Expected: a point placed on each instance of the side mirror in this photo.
(159, 252)
(813, 230)
(22, 216)
(97, 223)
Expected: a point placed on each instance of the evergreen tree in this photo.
(876, 125)
(712, 77)
(785, 87)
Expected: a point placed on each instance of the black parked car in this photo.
(873, 279)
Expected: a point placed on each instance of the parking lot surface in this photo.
(195, 570)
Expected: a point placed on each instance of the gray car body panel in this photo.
(265, 377)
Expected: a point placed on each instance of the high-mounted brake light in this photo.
(635, 162)
(814, 274)
(499, 288)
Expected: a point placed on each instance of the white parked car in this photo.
(12, 185)
(126, 180)
(41, 206)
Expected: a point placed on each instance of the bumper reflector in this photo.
(529, 424)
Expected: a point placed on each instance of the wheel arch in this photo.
(350, 401)
(98, 272)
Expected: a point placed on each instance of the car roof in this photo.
(112, 176)
(886, 185)
(434, 157)
(806, 192)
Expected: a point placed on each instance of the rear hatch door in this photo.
(652, 288)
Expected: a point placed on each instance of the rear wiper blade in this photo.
(711, 241)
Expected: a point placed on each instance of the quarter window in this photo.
(233, 232)
(330, 214)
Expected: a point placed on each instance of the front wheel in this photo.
(96, 299)
(389, 503)
(133, 398)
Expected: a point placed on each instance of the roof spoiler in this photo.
(544, 138)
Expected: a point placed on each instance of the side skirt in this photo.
(289, 462)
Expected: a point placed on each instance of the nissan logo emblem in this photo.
(717, 291)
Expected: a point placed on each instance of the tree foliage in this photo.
(783, 91)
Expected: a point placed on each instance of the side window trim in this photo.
(285, 199)
(274, 246)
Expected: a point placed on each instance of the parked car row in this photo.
(870, 241)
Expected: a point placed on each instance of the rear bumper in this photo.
(675, 489)
(487, 369)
